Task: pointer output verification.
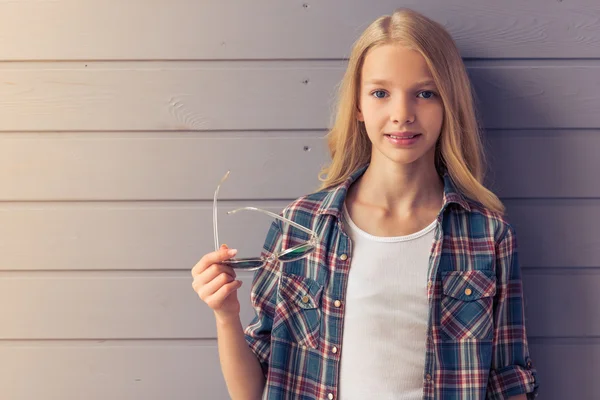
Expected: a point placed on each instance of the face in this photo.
(398, 98)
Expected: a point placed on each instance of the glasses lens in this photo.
(296, 252)
(248, 264)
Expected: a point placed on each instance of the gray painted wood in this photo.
(185, 168)
(216, 29)
(235, 96)
(544, 163)
(124, 236)
(189, 371)
(567, 369)
(562, 303)
(557, 233)
(130, 211)
(131, 305)
(107, 306)
(173, 235)
(112, 370)
(158, 168)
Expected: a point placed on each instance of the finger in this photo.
(208, 289)
(213, 258)
(212, 272)
(215, 300)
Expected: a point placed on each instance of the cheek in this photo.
(435, 116)
(372, 113)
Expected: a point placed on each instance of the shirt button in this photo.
(468, 292)
(428, 377)
(305, 299)
(334, 350)
(330, 396)
(337, 303)
(344, 257)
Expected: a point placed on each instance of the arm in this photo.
(244, 354)
(240, 367)
(519, 397)
(512, 372)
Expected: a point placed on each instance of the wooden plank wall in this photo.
(117, 119)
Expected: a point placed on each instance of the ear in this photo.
(359, 115)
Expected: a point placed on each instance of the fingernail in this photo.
(223, 246)
(239, 283)
(232, 252)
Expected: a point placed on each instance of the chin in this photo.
(406, 160)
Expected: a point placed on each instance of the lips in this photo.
(398, 137)
(403, 140)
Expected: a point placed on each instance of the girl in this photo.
(413, 290)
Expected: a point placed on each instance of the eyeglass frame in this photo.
(274, 256)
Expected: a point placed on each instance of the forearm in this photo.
(241, 369)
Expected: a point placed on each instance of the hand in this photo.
(216, 285)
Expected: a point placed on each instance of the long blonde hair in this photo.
(459, 149)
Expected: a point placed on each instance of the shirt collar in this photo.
(334, 199)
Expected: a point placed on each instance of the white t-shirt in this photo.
(385, 322)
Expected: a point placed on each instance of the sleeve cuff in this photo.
(513, 380)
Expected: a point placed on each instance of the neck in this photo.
(399, 188)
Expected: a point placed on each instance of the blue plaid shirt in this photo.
(476, 345)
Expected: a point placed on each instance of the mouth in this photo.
(402, 141)
(402, 137)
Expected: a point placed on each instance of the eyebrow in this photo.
(425, 82)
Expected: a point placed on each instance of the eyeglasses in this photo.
(292, 254)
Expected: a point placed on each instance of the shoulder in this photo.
(496, 223)
(309, 205)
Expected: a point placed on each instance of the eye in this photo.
(381, 93)
(432, 94)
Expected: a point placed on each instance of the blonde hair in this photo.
(459, 149)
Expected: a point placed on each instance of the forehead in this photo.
(394, 63)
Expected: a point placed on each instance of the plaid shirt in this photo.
(476, 345)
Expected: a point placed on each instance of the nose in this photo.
(402, 109)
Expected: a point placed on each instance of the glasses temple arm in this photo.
(215, 228)
(294, 224)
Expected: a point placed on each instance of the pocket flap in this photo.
(303, 291)
(469, 285)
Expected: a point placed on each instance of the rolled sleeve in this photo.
(512, 372)
(263, 298)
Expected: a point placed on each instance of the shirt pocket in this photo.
(298, 311)
(467, 305)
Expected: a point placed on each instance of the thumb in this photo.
(224, 246)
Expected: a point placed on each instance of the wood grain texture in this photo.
(116, 123)
(255, 96)
(127, 236)
(100, 306)
(556, 233)
(95, 166)
(271, 29)
(173, 236)
(562, 303)
(117, 371)
(129, 168)
(187, 371)
(565, 370)
(134, 306)
(544, 163)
